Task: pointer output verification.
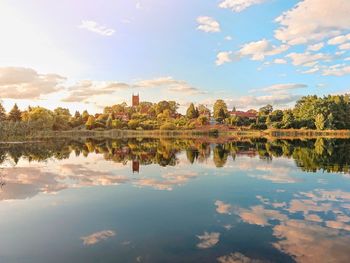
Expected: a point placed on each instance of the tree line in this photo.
(309, 112)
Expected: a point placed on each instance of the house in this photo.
(244, 114)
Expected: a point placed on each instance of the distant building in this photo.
(135, 166)
(244, 114)
(135, 100)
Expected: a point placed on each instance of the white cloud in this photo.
(85, 89)
(97, 237)
(223, 57)
(338, 39)
(239, 5)
(345, 46)
(315, 47)
(26, 83)
(308, 59)
(237, 258)
(208, 240)
(282, 87)
(259, 49)
(208, 24)
(280, 61)
(93, 26)
(313, 20)
(228, 38)
(336, 70)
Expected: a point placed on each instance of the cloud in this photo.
(208, 240)
(313, 20)
(222, 208)
(93, 26)
(26, 83)
(338, 39)
(208, 24)
(282, 87)
(237, 258)
(228, 38)
(258, 215)
(308, 242)
(223, 57)
(279, 61)
(308, 59)
(336, 70)
(239, 5)
(345, 46)
(259, 49)
(85, 89)
(315, 47)
(97, 237)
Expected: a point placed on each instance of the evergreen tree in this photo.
(2, 113)
(192, 112)
(109, 122)
(14, 114)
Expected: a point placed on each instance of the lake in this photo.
(173, 200)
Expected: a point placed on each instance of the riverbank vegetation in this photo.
(310, 113)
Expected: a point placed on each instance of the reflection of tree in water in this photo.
(310, 155)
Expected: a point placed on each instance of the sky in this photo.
(88, 54)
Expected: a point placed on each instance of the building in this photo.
(244, 114)
(135, 100)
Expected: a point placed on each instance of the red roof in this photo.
(243, 114)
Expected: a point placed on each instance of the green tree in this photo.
(203, 120)
(268, 121)
(14, 114)
(85, 115)
(40, 118)
(192, 112)
(266, 110)
(220, 111)
(288, 119)
(320, 122)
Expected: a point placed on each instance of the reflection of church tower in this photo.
(135, 166)
(135, 100)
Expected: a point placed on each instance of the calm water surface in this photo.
(144, 200)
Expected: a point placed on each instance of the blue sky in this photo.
(88, 54)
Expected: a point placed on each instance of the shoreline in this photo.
(271, 134)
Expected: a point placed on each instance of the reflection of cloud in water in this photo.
(22, 183)
(237, 258)
(208, 240)
(222, 208)
(26, 182)
(309, 242)
(97, 237)
(167, 180)
(83, 176)
(258, 215)
(314, 239)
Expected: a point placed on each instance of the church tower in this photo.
(135, 100)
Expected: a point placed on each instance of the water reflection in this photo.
(148, 200)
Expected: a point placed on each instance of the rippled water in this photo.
(144, 200)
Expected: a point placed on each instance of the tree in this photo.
(268, 121)
(90, 123)
(234, 109)
(2, 113)
(192, 112)
(15, 114)
(266, 110)
(61, 119)
(288, 119)
(40, 118)
(203, 110)
(220, 110)
(85, 115)
(109, 122)
(320, 122)
(203, 120)
(330, 121)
